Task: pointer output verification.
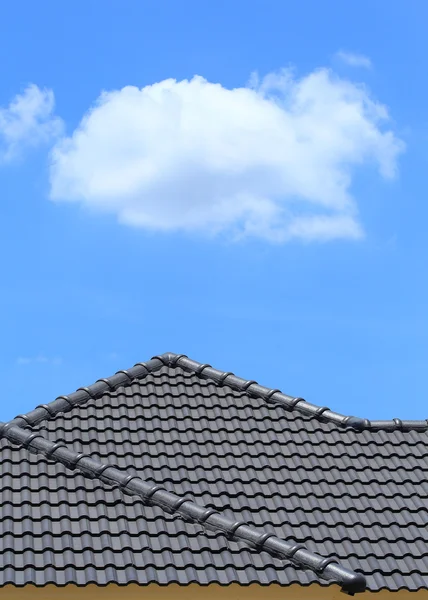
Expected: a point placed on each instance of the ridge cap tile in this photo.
(121, 378)
(329, 568)
(297, 513)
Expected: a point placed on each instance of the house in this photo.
(174, 475)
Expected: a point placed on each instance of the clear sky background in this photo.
(268, 217)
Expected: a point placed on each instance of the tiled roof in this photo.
(174, 472)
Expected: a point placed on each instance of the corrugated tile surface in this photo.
(359, 496)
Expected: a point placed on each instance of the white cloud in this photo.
(354, 60)
(39, 359)
(28, 121)
(275, 159)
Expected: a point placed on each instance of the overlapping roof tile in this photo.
(150, 475)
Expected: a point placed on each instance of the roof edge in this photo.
(322, 413)
(140, 370)
(63, 404)
(329, 568)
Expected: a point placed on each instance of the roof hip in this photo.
(350, 581)
(288, 402)
(206, 371)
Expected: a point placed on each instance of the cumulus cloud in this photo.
(28, 121)
(354, 60)
(275, 159)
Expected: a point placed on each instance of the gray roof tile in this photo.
(345, 488)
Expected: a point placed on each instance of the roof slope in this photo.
(347, 489)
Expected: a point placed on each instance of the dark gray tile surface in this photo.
(359, 496)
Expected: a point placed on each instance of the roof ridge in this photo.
(350, 581)
(252, 388)
(65, 403)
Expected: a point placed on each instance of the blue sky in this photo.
(268, 217)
